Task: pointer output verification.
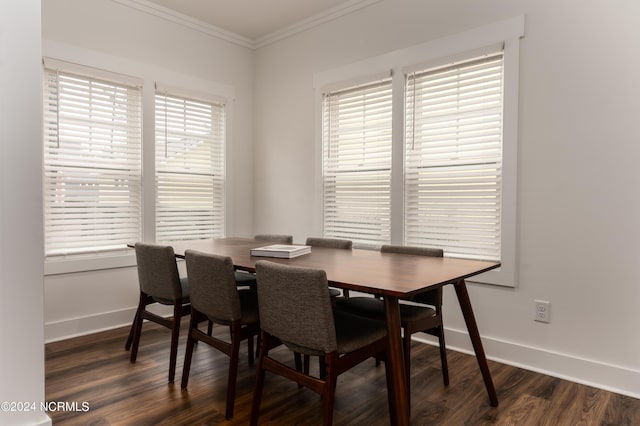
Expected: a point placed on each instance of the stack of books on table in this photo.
(280, 250)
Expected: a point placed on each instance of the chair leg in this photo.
(250, 349)
(127, 345)
(193, 324)
(297, 359)
(257, 392)
(443, 356)
(331, 378)
(137, 327)
(175, 335)
(306, 361)
(322, 364)
(233, 370)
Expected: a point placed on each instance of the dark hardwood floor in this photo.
(96, 370)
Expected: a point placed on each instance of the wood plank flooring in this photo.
(96, 370)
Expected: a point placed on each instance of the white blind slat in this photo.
(356, 133)
(190, 164)
(92, 161)
(453, 153)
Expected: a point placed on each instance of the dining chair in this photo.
(215, 297)
(159, 282)
(295, 310)
(424, 315)
(334, 293)
(274, 238)
(337, 243)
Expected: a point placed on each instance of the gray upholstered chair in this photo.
(338, 243)
(215, 297)
(249, 279)
(295, 310)
(159, 282)
(274, 238)
(424, 316)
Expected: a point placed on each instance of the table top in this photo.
(369, 271)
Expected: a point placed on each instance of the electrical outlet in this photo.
(542, 311)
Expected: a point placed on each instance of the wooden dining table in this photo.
(392, 276)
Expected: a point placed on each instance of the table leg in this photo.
(397, 386)
(474, 334)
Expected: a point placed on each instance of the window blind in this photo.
(453, 155)
(190, 168)
(356, 133)
(92, 163)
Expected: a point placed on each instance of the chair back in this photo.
(433, 297)
(295, 307)
(338, 243)
(212, 286)
(157, 271)
(274, 238)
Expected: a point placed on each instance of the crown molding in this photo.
(187, 21)
(313, 21)
(217, 32)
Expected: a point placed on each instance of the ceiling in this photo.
(256, 19)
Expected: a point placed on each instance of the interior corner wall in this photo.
(21, 238)
(578, 208)
(121, 37)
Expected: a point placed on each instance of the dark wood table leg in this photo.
(398, 400)
(474, 334)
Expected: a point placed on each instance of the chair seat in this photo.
(184, 283)
(354, 332)
(334, 292)
(371, 307)
(245, 278)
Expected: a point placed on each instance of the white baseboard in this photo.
(80, 326)
(604, 376)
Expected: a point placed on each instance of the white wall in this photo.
(110, 35)
(578, 206)
(21, 241)
(577, 220)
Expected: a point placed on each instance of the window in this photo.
(453, 158)
(447, 175)
(92, 160)
(356, 135)
(190, 183)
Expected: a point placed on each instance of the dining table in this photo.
(391, 276)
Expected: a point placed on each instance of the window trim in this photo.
(216, 103)
(127, 164)
(147, 74)
(332, 174)
(507, 32)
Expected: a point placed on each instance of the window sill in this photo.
(89, 262)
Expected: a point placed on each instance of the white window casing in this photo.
(92, 160)
(453, 158)
(356, 134)
(190, 168)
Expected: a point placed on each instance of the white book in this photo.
(281, 250)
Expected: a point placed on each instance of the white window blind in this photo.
(356, 134)
(453, 154)
(92, 163)
(190, 168)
